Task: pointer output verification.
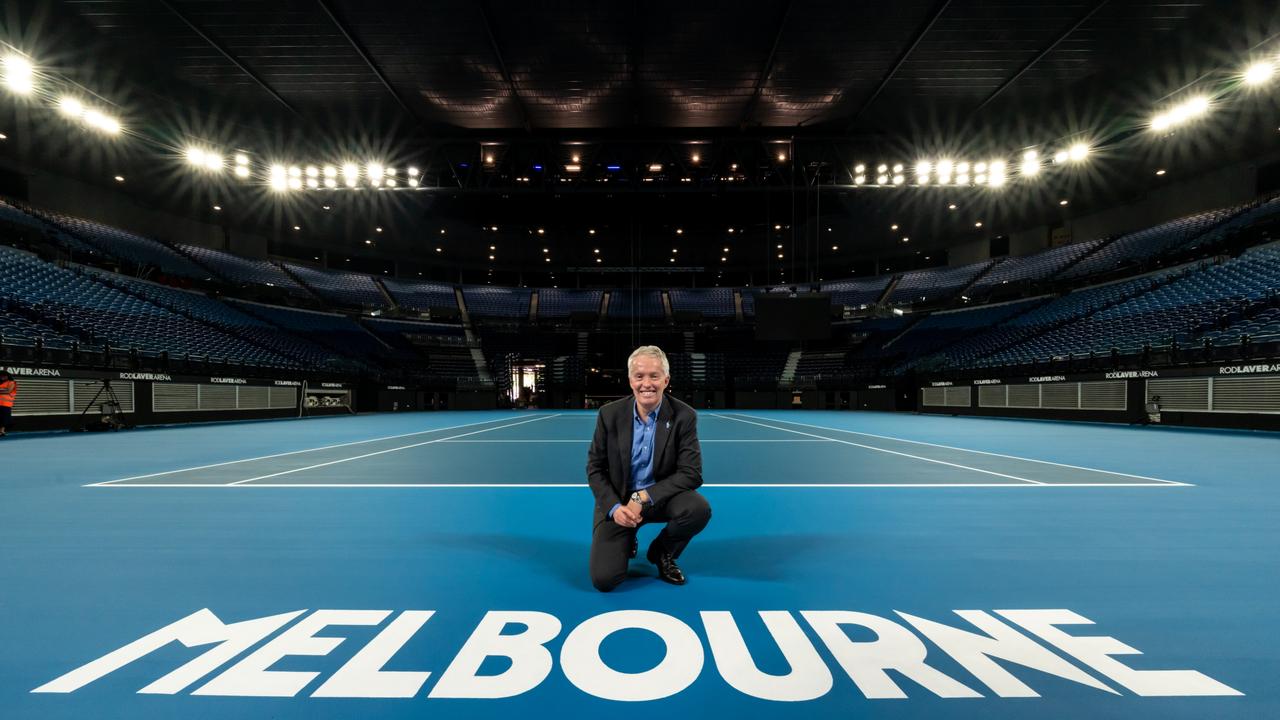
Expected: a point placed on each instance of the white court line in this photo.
(581, 486)
(389, 450)
(980, 452)
(295, 452)
(883, 450)
(587, 440)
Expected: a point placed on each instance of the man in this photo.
(8, 391)
(644, 465)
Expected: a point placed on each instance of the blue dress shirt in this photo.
(642, 434)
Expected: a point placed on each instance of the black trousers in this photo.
(6, 417)
(685, 514)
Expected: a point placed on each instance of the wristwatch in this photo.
(638, 498)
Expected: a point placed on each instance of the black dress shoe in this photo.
(668, 570)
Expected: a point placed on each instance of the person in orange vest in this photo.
(8, 391)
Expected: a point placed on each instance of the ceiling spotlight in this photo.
(368, 242)
(782, 157)
(893, 226)
(779, 256)
(377, 229)
(695, 158)
(835, 247)
(733, 166)
(119, 178)
(952, 206)
(726, 249)
(18, 74)
(325, 207)
(731, 230)
(439, 249)
(596, 251)
(599, 260)
(724, 259)
(546, 250)
(217, 208)
(573, 168)
(488, 159)
(680, 231)
(906, 239)
(978, 224)
(675, 251)
(297, 227)
(1161, 171)
(655, 167)
(71, 107)
(493, 247)
(779, 246)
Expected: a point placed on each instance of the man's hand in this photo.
(627, 515)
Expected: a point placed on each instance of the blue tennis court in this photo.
(402, 565)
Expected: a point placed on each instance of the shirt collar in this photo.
(635, 409)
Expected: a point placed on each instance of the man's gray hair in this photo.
(651, 351)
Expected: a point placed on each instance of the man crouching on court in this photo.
(645, 465)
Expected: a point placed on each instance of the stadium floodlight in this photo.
(19, 74)
(295, 183)
(389, 172)
(1030, 163)
(212, 161)
(295, 171)
(980, 167)
(313, 183)
(922, 179)
(945, 167)
(859, 179)
(882, 179)
(331, 182)
(350, 170)
(313, 171)
(195, 156)
(242, 159)
(962, 179)
(413, 182)
(980, 178)
(71, 107)
(1078, 152)
(881, 168)
(997, 178)
(391, 182)
(330, 171)
(1060, 157)
(1259, 72)
(374, 171)
(899, 179)
(860, 168)
(923, 167)
(962, 167)
(897, 168)
(413, 172)
(242, 171)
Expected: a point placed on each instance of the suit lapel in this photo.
(625, 437)
(662, 434)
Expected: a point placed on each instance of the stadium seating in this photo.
(1030, 268)
(344, 289)
(856, 293)
(934, 285)
(100, 313)
(421, 296)
(711, 302)
(627, 304)
(497, 302)
(128, 246)
(558, 303)
(1150, 242)
(242, 271)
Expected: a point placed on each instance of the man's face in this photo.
(648, 381)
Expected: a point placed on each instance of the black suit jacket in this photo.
(677, 456)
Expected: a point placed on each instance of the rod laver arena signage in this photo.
(1016, 637)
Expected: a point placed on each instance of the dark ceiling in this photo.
(788, 94)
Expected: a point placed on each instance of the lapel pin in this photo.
(668, 424)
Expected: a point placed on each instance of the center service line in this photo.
(970, 450)
(884, 450)
(390, 450)
(292, 452)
